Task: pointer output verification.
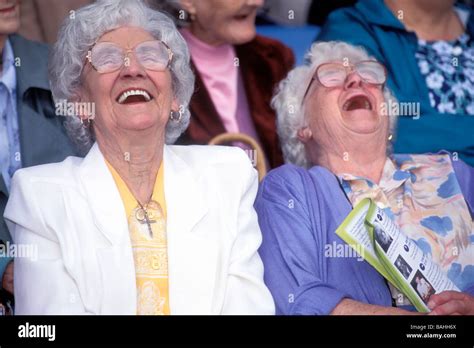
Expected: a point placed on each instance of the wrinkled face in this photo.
(343, 112)
(131, 98)
(9, 16)
(224, 21)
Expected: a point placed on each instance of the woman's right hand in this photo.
(451, 303)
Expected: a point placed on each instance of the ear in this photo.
(305, 134)
(77, 97)
(188, 6)
(175, 105)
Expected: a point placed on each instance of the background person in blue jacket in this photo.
(428, 49)
(30, 131)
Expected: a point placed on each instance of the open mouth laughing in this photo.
(356, 102)
(134, 95)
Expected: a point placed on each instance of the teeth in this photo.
(127, 94)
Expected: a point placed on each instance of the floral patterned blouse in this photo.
(448, 68)
(422, 195)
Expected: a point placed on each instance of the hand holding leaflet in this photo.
(368, 229)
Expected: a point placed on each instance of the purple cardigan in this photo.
(298, 212)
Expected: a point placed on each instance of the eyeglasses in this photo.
(335, 74)
(106, 57)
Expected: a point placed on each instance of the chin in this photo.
(364, 130)
(241, 35)
(360, 121)
(140, 122)
(10, 27)
(363, 126)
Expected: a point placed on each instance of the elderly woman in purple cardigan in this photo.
(336, 120)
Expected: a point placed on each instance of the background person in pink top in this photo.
(236, 71)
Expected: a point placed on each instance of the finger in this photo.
(443, 297)
(450, 308)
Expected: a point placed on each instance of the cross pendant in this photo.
(145, 219)
(148, 222)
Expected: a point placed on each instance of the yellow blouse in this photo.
(149, 246)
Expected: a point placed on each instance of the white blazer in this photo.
(72, 212)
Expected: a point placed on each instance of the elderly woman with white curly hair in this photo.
(137, 226)
(335, 123)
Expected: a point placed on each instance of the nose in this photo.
(353, 80)
(132, 67)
